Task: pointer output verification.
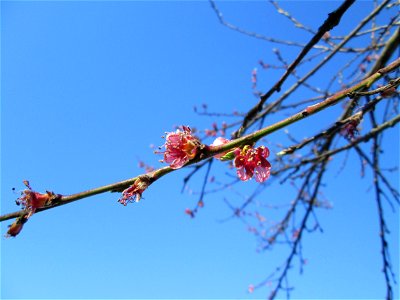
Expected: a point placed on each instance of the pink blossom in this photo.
(31, 200)
(251, 161)
(180, 147)
(135, 191)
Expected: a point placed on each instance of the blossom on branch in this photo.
(251, 161)
(31, 200)
(135, 191)
(218, 142)
(180, 147)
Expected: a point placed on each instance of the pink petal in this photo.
(262, 174)
(242, 174)
(239, 162)
(179, 162)
(219, 141)
(249, 170)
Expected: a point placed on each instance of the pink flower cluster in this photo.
(248, 161)
(252, 161)
(180, 147)
(31, 200)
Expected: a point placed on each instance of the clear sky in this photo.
(87, 87)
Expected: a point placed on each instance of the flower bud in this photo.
(218, 142)
(15, 228)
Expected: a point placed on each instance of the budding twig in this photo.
(245, 140)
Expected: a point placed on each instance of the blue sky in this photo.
(87, 87)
